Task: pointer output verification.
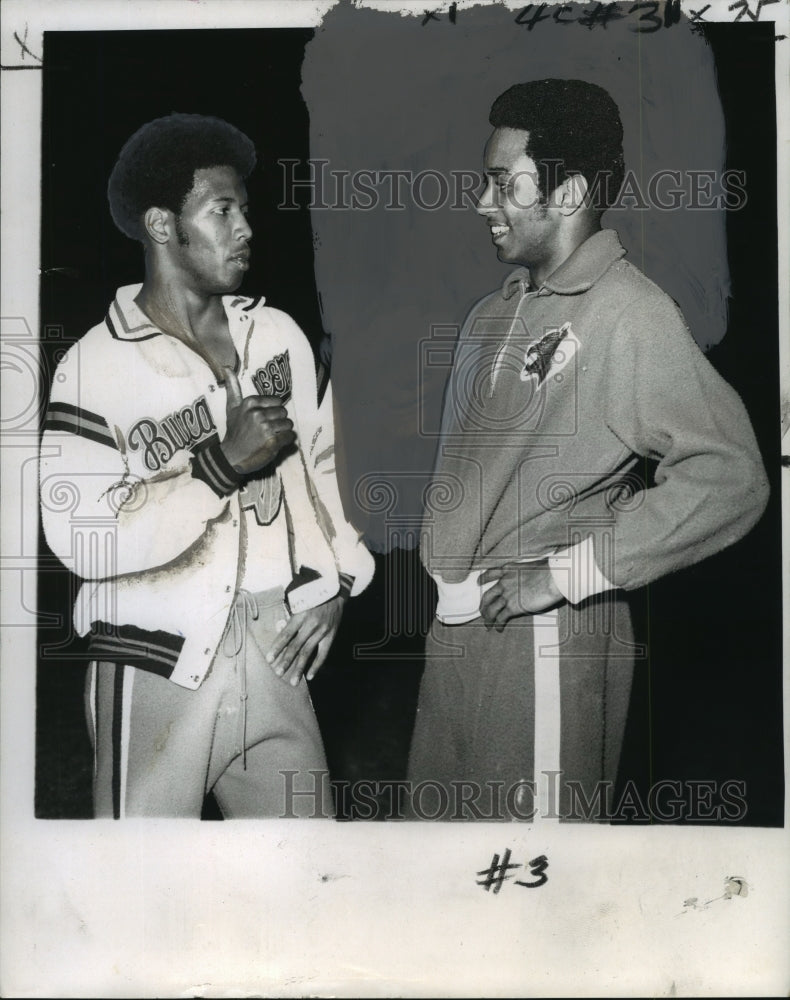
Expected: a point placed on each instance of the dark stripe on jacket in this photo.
(75, 420)
(117, 725)
(114, 332)
(155, 651)
(210, 465)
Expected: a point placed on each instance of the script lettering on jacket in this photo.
(161, 439)
(274, 379)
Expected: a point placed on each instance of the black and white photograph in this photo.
(394, 401)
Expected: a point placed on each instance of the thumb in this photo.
(233, 389)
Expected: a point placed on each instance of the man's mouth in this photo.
(241, 259)
(497, 232)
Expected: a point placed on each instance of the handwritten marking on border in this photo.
(24, 50)
(500, 870)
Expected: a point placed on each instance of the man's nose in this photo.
(243, 229)
(485, 203)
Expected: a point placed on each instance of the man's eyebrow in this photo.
(229, 199)
(497, 170)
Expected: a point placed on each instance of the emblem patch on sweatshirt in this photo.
(274, 378)
(550, 354)
(159, 440)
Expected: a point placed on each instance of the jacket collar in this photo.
(126, 321)
(579, 272)
(517, 280)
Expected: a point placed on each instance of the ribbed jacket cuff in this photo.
(210, 465)
(576, 573)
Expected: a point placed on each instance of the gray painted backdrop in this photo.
(385, 93)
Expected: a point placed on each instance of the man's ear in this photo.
(572, 194)
(158, 224)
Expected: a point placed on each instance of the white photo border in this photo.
(169, 908)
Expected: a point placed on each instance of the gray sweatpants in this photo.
(485, 695)
(160, 748)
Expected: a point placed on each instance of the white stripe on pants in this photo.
(548, 716)
(161, 748)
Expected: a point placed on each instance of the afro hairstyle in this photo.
(157, 165)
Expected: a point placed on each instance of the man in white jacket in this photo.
(187, 477)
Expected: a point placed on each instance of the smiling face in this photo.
(211, 251)
(523, 227)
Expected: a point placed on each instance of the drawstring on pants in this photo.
(235, 644)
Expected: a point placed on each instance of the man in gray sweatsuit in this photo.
(564, 381)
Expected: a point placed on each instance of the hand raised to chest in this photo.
(258, 428)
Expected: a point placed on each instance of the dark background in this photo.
(707, 701)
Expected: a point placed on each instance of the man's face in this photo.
(212, 250)
(522, 227)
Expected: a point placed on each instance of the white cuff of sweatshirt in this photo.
(460, 602)
(576, 572)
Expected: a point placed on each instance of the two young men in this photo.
(191, 417)
(208, 531)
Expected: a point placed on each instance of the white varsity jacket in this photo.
(139, 501)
